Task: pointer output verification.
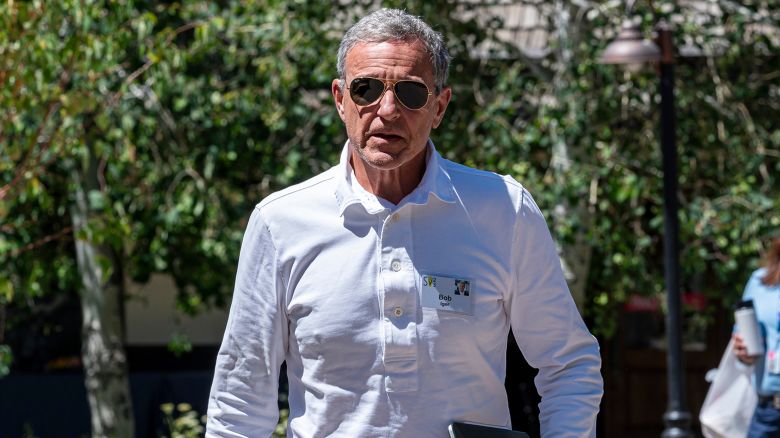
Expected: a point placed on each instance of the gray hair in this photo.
(396, 25)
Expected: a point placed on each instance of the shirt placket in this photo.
(399, 303)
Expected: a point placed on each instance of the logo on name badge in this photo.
(447, 293)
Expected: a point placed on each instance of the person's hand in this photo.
(741, 351)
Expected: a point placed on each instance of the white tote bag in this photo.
(731, 400)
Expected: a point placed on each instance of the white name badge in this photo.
(447, 293)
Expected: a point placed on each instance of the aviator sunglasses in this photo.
(366, 91)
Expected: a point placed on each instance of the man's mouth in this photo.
(386, 136)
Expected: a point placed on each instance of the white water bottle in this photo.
(749, 330)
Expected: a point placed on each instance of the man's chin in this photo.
(379, 159)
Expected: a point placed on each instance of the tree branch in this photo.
(132, 77)
(22, 167)
(140, 70)
(41, 242)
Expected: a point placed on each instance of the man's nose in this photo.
(388, 105)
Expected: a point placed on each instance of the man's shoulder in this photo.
(482, 189)
(470, 176)
(300, 195)
(485, 186)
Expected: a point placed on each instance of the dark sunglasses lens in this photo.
(414, 95)
(365, 91)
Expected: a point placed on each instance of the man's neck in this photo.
(392, 185)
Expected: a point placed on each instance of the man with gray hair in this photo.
(349, 277)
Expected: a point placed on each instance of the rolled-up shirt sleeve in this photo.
(550, 332)
(243, 399)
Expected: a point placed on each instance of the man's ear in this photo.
(442, 100)
(338, 96)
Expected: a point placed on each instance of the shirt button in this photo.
(398, 312)
(395, 217)
(395, 265)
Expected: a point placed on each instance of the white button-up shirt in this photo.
(330, 281)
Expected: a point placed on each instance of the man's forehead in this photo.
(390, 54)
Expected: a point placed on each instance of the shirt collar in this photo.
(435, 181)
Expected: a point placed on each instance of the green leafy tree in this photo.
(727, 144)
(58, 65)
(137, 137)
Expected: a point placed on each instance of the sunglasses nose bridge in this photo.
(389, 85)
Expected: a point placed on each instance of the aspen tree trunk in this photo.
(102, 350)
(575, 255)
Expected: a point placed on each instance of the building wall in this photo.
(152, 318)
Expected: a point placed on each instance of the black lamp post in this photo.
(631, 49)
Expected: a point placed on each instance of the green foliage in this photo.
(6, 358)
(281, 426)
(182, 421)
(28, 431)
(179, 344)
(727, 149)
(194, 111)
